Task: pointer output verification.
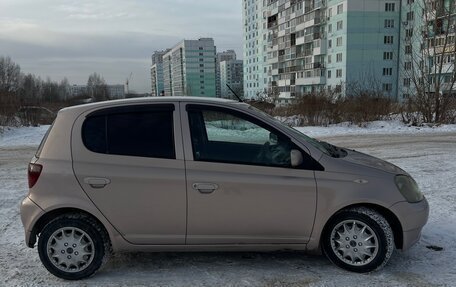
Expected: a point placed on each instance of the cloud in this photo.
(74, 38)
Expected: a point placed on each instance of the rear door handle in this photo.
(97, 182)
(205, 187)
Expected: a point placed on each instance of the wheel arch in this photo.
(50, 215)
(392, 219)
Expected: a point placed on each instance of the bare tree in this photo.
(97, 88)
(10, 75)
(429, 62)
(64, 89)
(10, 78)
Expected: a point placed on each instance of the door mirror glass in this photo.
(296, 158)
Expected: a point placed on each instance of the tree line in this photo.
(19, 90)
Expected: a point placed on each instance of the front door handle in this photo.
(97, 182)
(205, 187)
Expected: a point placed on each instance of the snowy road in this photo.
(430, 158)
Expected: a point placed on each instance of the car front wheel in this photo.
(359, 240)
(73, 246)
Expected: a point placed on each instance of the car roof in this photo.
(149, 100)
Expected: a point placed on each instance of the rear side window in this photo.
(43, 141)
(142, 133)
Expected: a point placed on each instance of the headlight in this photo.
(408, 188)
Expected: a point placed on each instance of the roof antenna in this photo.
(234, 93)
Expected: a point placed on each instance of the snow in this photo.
(428, 154)
(377, 127)
(23, 136)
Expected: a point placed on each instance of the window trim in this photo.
(313, 166)
(130, 109)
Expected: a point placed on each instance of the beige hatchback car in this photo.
(199, 174)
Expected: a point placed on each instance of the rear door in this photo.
(241, 186)
(129, 161)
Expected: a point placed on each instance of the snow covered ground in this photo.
(429, 154)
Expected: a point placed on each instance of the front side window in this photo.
(133, 132)
(220, 135)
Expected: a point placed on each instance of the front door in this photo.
(129, 162)
(240, 183)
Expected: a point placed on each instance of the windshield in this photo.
(322, 146)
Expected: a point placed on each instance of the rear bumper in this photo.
(30, 212)
(413, 216)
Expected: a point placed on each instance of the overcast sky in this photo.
(75, 38)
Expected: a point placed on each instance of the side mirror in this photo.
(296, 158)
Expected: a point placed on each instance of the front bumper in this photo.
(413, 216)
(30, 213)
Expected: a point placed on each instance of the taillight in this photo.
(34, 171)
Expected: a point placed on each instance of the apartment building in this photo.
(428, 47)
(156, 74)
(222, 56)
(231, 74)
(255, 32)
(189, 69)
(341, 46)
(114, 91)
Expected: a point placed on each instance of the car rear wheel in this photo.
(73, 246)
(359, 240)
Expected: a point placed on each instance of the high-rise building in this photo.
(222, 56)
(344, 46)
(189, 69)
(156, 72)
(255, 33)
(427, 50)
(348, 47)
(231, 73)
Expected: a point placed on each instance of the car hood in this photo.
(372, 162)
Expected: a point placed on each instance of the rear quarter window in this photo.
(43, 141)
(145, 133)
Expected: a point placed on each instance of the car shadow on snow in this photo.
(216, 268)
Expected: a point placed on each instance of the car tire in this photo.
(73, 246)
(358, 239)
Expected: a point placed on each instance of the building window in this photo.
(329, 59)
(409, 33)
(339, 73)
(339, 41)
(340, 9)
(387, 71)
(340, 25)
(389, 23)
(330, 12)
(330, 43)
(407, 82)
(339, 57)
(387, 87)
(410, 16)
(408, 66)
(388, 40)
(408, 49)
(390, 7)
(387, 55)
(329, 74)
(330, 26)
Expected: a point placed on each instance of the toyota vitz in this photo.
(198, 174)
